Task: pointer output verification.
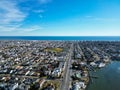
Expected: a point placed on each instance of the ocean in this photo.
(84, 38)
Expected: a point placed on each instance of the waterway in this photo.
(108, 78)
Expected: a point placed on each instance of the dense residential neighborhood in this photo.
(53, 65)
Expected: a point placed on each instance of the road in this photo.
(65, 83)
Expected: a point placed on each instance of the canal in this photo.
(108, 78)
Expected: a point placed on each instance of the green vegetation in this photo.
(56, 84)
(54, 50)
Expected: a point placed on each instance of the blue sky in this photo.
(59, 17)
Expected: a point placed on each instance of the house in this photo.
(56, 72)
(75, 86)
(82, 85)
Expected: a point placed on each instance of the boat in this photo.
(101, 65)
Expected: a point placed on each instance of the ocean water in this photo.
(88, 38)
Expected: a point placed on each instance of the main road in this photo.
(65, 83)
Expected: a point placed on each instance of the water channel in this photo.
(108, 78)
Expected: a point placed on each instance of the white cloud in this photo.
(107, 19)
(10, 12)
(19, 29)
(39, 11)
(31, 28)
(12, 18)
(102, 19)
(9, 28)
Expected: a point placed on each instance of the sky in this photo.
(59, 17)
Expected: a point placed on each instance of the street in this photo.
(66, 77)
